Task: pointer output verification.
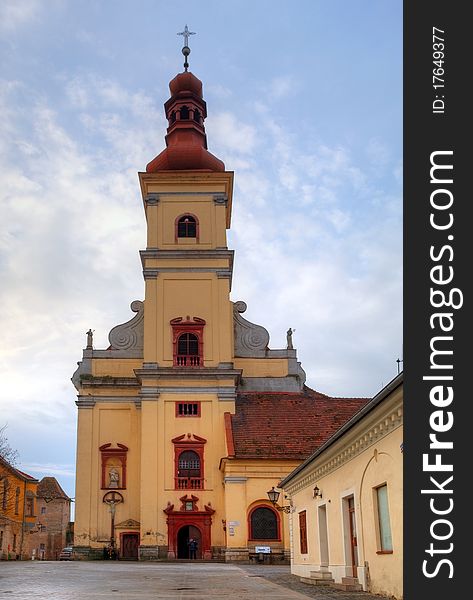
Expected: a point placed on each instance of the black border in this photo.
(424, 133)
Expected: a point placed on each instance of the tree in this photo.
(8, 457)
(6, 451)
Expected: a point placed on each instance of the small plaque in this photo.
(263, 549)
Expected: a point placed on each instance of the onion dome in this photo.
(186, 141)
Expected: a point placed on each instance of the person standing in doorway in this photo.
(192, 548)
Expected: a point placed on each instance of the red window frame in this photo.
(185, 413)
(194, 326)
(176, 228)
(250, 528)
(183, 443)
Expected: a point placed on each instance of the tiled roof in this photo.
(288, 425)
(49, 487)
(21, 474)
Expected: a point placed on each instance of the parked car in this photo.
(66, 553)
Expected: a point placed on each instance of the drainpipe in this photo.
(23, 521)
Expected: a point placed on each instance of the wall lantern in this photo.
(317, 492)
(273, 496)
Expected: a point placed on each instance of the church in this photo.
(188, 419)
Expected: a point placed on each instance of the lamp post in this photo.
(273, 496)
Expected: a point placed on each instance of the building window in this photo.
(187, 409)
(188, 347)
(189, 473)
(184, 112)
(42, 547)
(189, 462)
(5, 494)
(30, 506)
(43, 510)
(17, 500)
(303, 531)
(14, 542)
(1, 540)
(187, 226)
(196, 115)
(264, 524)
(385, 543)
(188, 350)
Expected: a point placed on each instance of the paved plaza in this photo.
(157, 581)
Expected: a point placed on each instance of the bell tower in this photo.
(188, 316)
(163, 415)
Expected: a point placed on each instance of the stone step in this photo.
(347, 587)
(350, 580)
(321, 575)
(315, 581)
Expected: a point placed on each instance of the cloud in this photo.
(48, 469)
(231, 133)
(282, 86)
(15, 14)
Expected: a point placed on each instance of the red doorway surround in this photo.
(189, 514)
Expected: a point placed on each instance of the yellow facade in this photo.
(17, 511)
(129, 397)
(350, 472)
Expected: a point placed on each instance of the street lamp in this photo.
(317, 492)
(273, 496)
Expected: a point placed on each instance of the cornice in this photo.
(186, 254)
(187, 373)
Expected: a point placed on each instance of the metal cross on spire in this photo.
(186, 50)
(186, 33)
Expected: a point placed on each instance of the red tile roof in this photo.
(49, 488)
(21, 474)
(288, 425)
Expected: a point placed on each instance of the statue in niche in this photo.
(289, 339)
(114, 478)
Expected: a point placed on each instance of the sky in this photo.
(304, 104)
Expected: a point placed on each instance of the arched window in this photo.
(173, 117)
(188, 350)
(188, 464)
(184, 113)
(196, 115)
(187, 340)
(187, 227)
(264, 524)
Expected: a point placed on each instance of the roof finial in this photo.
(186, 50)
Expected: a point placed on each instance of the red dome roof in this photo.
(185, 157)
(185, 140)
(186, 82)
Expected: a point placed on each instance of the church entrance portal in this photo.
(184, 534)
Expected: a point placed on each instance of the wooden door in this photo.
(353, 536)
(130, 543)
